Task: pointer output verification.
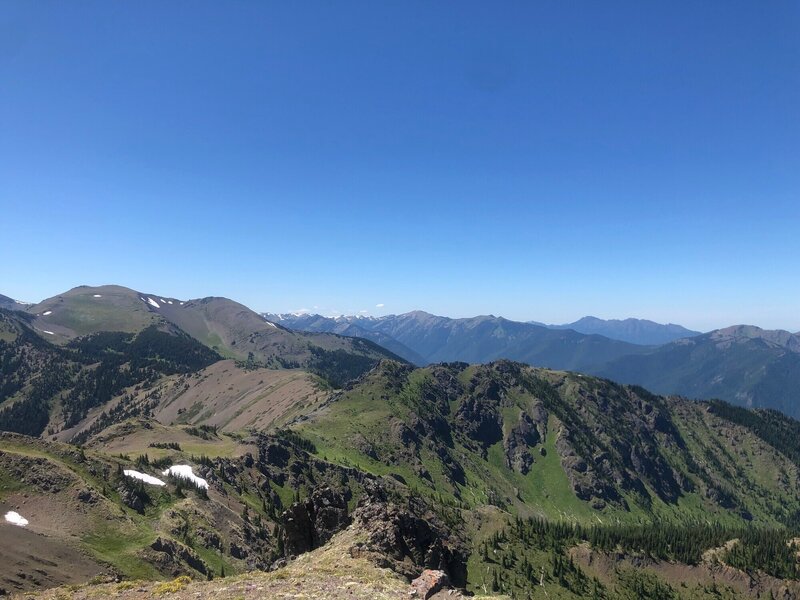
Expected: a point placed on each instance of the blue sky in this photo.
(537, 160)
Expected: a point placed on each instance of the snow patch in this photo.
(47, 332)
(163, 301)
(97, 296)
(186, 472)
(47, 312)
(272, 325)
(169, 301)
(143, 477)
(16, 519)
(181, 303)
(152, 302)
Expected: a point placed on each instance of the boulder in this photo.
(428, 583)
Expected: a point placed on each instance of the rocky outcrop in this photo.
(132, 495)
(590, 482)
(478, 416)
(169, 557)
(428, 583)
(407, 539)
(518, 442)
(312, 522)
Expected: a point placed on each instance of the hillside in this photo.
(88, 382)
(11, 304)
(745, 365)
(503, 475)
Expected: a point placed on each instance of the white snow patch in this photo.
(272, 325)
(16, 519)
(97, 296)
(152, 302)
(48, 332)
(169, 301)
(47, 312)
(163, 301)
(143, 477)
(186, 472)
(181, 303)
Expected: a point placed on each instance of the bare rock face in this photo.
(518, 442)
(428, 583)
(407, 538)
(169, 557)
(314, 521)
(132, 496)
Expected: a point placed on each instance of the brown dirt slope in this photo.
(223, 395)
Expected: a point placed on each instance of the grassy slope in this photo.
(733, 455)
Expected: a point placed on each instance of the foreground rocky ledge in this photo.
(330, 572)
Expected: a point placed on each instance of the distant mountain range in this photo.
(635, 331)
(423, 338)
(745, 365)
(742, 364)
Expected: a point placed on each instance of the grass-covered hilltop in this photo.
(154, 446)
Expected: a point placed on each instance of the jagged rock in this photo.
(132, 497)
(237, 551)
(364, 446)
(518, 442)
(208, 538)
(428, 583)
(87, 496)
(478, 416)
(178, 552)
(312, 522)
(274, 454)
(407, 539)
(402, 434)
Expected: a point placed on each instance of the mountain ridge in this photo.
(635, 331)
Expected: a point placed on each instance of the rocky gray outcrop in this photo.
(314, 521)
(169, 557)
(407, 539)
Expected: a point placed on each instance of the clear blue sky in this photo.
(537, 160)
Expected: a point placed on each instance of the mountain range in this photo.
(635, 331)
(150, 438)
(745, 365)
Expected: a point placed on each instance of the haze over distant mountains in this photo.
(635, 331)
(474, 340)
